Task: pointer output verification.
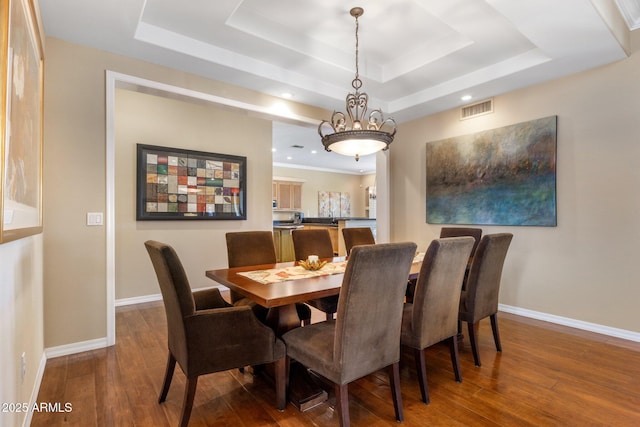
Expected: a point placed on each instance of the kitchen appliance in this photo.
(298, 217)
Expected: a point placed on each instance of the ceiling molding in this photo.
(630, 10)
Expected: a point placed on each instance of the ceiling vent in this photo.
(297, 146)
(476, 109)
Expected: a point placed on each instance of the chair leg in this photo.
(455, 359)
(329, 316)
(342, 403)
(306, 322)
(394, 382)
(496, 332)
(281, 383)
(168, 375)
(474, 345)
(422, 374)
(187, 405)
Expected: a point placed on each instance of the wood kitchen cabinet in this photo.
(288, 195)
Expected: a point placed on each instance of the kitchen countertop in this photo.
(287, 226)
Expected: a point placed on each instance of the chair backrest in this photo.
(370, 308)
(250, 248)
(176, 295)
(483, 283)
(357, 236)
(312, 242)
(476, 233)
(436, 300)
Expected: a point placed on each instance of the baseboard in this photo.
(36, 389)
(78, 347)
(138, 300)
(154, 297)
(578, 324)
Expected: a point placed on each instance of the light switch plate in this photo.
(95, 218)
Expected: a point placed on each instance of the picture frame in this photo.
(502, 176)
(21, 121)
(180, 184)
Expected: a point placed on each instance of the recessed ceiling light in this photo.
(466, 97)
(289, 158)
(273, 150)
(286, 95)
(314, 151)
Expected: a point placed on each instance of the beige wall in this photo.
(585, 268)
(74, 182)
(315, 181)
(20, 321)
(148, 119)
(563, 270)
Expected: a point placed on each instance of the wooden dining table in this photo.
(281, 298)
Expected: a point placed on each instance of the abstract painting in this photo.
(184, 184)
(21, 113)
(504, 176)
(334, 204)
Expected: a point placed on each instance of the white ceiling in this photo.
(417, 57)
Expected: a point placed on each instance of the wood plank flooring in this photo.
(547, 375)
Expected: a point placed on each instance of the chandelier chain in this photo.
(357, 83)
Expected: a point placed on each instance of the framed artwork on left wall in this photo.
(179, 184)
(21, 114)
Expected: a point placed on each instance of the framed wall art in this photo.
(504, 176)
(21, 118)
(178, 184)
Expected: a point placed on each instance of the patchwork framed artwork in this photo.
(178, 184)
(21, 113)
(504, 176)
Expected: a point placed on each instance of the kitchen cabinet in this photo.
(284, 243)
(287, 194)
(370, 202)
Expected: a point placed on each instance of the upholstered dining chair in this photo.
(199, 338)
(365, 337)
(432, 317)
(476, 233)
(254, 248)
(316, 242)
(480, 299)
(356, 236)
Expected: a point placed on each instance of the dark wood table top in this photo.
(287, 292)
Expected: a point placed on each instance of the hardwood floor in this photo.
(547, 375)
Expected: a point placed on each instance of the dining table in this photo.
(279, 287)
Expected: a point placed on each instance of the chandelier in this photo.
(356, 135)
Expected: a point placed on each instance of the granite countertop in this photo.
(287, 226)
(329, 222)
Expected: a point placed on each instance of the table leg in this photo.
(304, 392)
(282, 319)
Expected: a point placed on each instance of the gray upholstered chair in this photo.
(255, 248)
(480, 299)
(366, 335)
(476, 233)
(316, 242)
(198, 325)
(433, 315)
(356, 236)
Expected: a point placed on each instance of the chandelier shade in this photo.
(356, 134)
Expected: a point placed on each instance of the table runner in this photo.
(276, 275)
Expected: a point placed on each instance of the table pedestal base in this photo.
(304, 392)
